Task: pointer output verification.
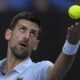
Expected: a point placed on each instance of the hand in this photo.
(73, 33)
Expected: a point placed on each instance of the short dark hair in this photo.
(27, 15)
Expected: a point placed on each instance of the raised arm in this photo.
(67, 55)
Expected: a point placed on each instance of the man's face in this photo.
(23, 39)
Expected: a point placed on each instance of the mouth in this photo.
(23, 45)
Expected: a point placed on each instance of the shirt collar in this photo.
(2, 63)
(23, 65)
(20, 67)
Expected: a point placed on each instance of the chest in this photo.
(30, 74)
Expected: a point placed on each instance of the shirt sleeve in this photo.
(44, 68)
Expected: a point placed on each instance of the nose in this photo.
(27, 35)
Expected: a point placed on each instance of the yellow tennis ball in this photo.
(74, 11)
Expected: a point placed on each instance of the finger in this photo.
(76, 24)
(69, 28)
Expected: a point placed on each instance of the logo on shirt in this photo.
(19, 78)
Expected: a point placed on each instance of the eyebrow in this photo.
(25, 27)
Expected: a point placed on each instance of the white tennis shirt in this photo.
(26, 70)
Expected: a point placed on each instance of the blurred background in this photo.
(54, 21)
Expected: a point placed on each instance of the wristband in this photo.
(70, 49)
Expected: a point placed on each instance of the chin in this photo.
(21, 55)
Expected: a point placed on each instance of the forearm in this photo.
(64, 61)
(62, 65)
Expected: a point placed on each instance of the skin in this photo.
(20, 36)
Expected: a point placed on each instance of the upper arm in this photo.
(49, 72)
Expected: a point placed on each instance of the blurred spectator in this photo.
(19, 4)
(3, 5)
(41, 5)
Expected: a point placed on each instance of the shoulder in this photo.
(43, 66)
(44, 63)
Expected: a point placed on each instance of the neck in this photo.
(10, 63)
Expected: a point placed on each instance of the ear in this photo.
(8, 34)
(36, 45)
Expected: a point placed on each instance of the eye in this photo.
(34, 33)
(22, 29)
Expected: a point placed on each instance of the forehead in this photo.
(27, 24)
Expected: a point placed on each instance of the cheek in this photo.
(14, 38)
(33, 42)
(16, 35)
